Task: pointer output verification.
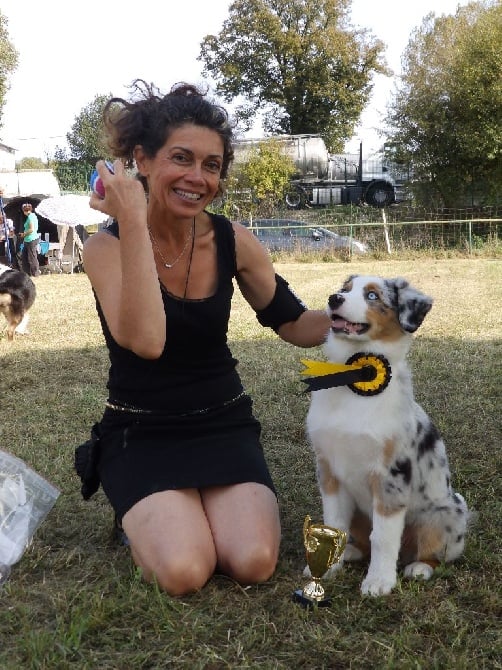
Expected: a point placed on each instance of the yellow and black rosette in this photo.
(376, 366)
(364, 373)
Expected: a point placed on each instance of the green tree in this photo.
(31, 163)
(8, 61)
(72, 174)
(87, 144)
(298, 62)
(259, 177)
(445, 119)
(86, 138)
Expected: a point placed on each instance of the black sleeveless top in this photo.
(196, 369)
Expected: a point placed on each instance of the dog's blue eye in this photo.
(371, 295)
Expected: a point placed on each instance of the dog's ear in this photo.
(348, 281)
(412, 305)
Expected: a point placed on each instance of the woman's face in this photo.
(184, 176)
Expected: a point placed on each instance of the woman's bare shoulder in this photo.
(100, 247)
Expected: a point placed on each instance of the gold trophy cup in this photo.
(324, 546)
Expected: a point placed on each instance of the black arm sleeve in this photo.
(284, 307)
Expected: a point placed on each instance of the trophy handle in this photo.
(306, 526)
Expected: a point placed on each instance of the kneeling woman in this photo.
(180, 457)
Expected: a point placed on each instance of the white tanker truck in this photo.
(328, 179)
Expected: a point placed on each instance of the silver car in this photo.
(289, 234)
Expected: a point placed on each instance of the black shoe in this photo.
(119, 533)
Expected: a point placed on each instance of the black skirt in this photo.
(141, 454)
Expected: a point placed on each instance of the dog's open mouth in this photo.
(339, 325)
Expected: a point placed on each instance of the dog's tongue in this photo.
(347, 326)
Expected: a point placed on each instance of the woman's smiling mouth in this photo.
(188, 195)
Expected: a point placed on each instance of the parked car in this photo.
(289, 234)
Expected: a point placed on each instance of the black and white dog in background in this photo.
(17, 295)
(382, 467)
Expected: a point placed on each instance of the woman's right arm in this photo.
(123, 272)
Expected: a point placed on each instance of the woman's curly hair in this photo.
(149, 117)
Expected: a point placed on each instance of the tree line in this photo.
(302, 67)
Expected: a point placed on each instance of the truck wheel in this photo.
(379, 194)
(295, 198)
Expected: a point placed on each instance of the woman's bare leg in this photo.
(171, 540)
(245, 525)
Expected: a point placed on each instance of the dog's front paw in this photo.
(378, 585)
(418, 570)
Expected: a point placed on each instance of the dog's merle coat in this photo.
(381, 463)
(17, 295)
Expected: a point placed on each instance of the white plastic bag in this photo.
(25, 500)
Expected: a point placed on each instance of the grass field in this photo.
(75, 601)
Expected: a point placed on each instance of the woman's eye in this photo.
(213, 166)
(179, 158)
(372, 295)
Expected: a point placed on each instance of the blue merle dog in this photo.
(382, 467)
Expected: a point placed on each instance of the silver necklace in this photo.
(167, 265)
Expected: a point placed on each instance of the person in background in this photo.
(30, 239)
(7, 235)
(178, 448)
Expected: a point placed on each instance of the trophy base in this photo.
(300, 598)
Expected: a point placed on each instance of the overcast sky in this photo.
(68, 55)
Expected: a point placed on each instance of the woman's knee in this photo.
(252, 564)
(179, 561)
(177, 575)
